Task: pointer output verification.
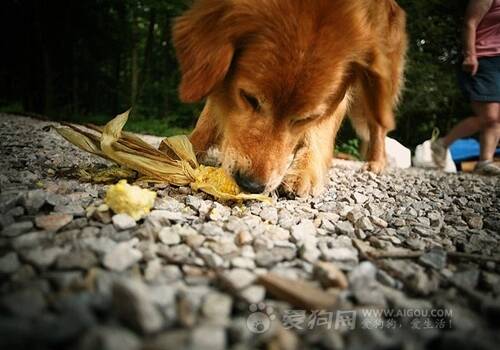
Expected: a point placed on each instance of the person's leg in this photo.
(489, 114)
(467, 127)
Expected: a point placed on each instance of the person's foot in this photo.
(487, 167)
(439, 152)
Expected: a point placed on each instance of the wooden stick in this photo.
(418, 254)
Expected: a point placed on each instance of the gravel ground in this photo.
(197, 274)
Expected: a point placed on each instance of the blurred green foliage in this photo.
(81, 60)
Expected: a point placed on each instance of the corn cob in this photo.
(174, 162)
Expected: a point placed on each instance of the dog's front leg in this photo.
(376, 156)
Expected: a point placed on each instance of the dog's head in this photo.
(271, 70)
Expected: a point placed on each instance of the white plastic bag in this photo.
(398, 156)
(423, 158)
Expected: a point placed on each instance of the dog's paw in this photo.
(375, 166)
(303, 184)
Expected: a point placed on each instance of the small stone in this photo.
(194, 202)
(359, 198)
(165, 217)
(339, 250)
(238, 278)
(90, 231)
(416, 243)
(194, 241)
(210, 258)
(269, 257)
(176, 254)
(491, 281)
(100, 245)
(435, 258)
(109, 338)
(435, 218)
(302, 230)
(134, 306)
(17, 229)
(243, 238)
(102, 216)
(344, 228)
(208, 337)
(163, 294)
(355, 215)
(219, 212)
(269, 214)
(309, 252)
(243, 263)
(253, 294)
(28, 240)
(286, 219)
(211, 229)
(74, 209)
(330, 275)
(123, 222)
(25, 304)
(398, 222)
(53, 222)
(424, 231)
(217, 307)
(475, 222)
(5, 221)
(467, 279)
(80, 259)
(122, 256)
(276, 233)
(362, 280)
(379, 222)
(223, 248)
(364, 224)
(168, 236)
(33, 201)
(424, 221)
(9, 263)
(43, 257)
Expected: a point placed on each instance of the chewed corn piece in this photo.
(123, 198)
(218, 183)
(216, 177)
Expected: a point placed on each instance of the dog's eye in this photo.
(251, 100)
(299, 122)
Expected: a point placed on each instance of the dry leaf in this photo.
(298, 293)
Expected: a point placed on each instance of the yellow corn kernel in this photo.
(218, 178)
(132, 200)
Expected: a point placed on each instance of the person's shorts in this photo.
(485, 85)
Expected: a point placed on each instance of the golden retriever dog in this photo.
(279, 76)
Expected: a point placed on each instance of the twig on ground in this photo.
(418, 254)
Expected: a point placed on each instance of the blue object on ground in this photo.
(466, 149)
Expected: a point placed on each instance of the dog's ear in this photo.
(204, 48)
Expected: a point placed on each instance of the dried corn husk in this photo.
(174, 162)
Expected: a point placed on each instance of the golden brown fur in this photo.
(279, 77)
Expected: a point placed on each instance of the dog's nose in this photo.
(248, 184)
